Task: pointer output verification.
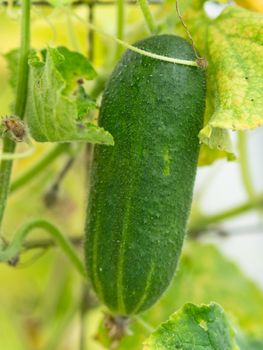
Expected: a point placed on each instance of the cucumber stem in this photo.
(120, 25)
(11, 252)
(148, 16)
(20, 104)
(136, 49)
(24, 154)
(71, 31)
(204, 221)
(244, 165)
(37, 167)
(145, 324)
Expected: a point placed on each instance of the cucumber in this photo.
(141, 188)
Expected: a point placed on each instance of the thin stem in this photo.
(244, 165)
(62, 326)
(37, 168)
(24, 154)
(12, 251)
(82, 337)
(140, 51)
(23, 68)
(185, 27)
(71, 32)
(51, 196)
(91, 40)
(99, 86)
(221, 232)
(148, 16)
(227, 214)
(49, 243)
(20, 104)
(82, 314)
(145, 324)
(120, 25)
(5, 174)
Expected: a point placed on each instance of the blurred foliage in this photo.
(254, 5)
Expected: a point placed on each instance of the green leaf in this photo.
(200, 327)
(57, 101)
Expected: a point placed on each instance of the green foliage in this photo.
(57, 102)
(194, 327)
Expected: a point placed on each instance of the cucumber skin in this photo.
(141, 188)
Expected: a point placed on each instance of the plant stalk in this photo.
(120, 26)
(148, 16)
(244, 165)
(37, 168)
(12, 251)
(20, 104)
(227, 214)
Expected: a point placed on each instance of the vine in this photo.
(9, 253)
(136, 49)
(20, 104)
(148, 16)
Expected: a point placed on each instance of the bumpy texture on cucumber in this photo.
(141, 188)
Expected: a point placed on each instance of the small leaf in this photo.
(200, 327)
(57, 102)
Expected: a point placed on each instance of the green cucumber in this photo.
(141, 188)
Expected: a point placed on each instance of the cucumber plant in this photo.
(138, 123)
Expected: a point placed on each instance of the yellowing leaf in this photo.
(208, 155)
(234, 52)
(233, 46)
